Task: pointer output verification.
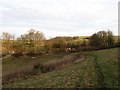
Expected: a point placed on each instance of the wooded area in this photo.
(34, 42)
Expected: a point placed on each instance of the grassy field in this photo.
(13, 64)
(82, 38)
(116, 38)
(100, 69)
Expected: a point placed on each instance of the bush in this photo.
(102, 40)
(88, 49)
(3, 55)
(18, 54)
(31, 54)
(41, 68)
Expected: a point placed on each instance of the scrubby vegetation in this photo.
(30, 55)
(34, 43)
(38, 67)
(100, 69)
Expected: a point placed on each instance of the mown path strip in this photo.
(100, 76)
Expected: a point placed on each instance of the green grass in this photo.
(81, 38)
(51, 57)
(98, 70)
(116, 38)
(107, 66)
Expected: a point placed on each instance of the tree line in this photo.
(34, 42)
(102, 39)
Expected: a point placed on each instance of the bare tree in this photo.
(32, 41)
(6, 36)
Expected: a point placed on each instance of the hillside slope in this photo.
(100, 69)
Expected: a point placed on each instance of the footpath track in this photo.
(100, 76)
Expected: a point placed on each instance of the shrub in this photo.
(3, 55)
(31, 53)
(102, 40)
(18, 54)
(40, 68)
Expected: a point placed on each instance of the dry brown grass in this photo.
(19, 73)
(39, 68)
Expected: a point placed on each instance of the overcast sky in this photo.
(59, 17)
